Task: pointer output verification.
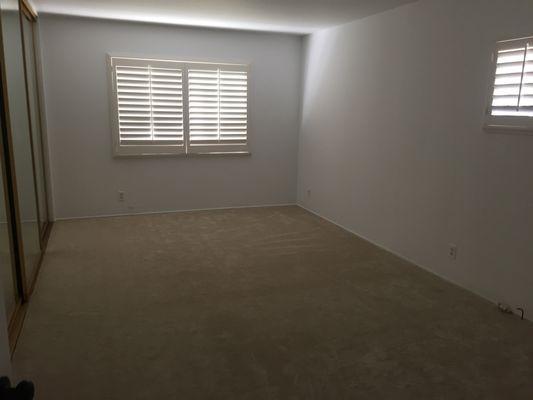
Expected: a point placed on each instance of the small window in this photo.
(163, 107)
(511, 92)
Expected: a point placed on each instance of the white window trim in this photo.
(173, 150)
(505, 124)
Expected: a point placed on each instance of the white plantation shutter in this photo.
(150, 105)
(134, 109)
(233, 106)
(167, 104)
(218, 108)
(148, 115)
(203, 105)
(513, 84)
(510, 106)
(171, 107)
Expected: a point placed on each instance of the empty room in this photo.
(266, 199)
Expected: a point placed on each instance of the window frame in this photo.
(499, 123)
(144, 150)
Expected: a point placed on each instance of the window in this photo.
(170, 107)
(511, 94)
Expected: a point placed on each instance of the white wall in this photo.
(86, 178)
(392, 146)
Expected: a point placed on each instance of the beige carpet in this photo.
(266, 303)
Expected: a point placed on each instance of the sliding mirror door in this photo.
(7, 267)
(21, 141)
(29, 37)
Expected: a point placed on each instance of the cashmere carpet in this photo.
(256, 303)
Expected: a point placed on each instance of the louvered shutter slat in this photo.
(203, 105)
(150, 105)
(133, 96)
(218, 106)
(513, 84)
(167, 105)
(233, 104)
(151, 115)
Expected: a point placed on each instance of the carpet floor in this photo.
(258, 303)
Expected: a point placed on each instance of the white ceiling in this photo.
(295, 16)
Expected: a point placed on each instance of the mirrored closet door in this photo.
(29, 36)
(24, 216)
(8, 272)
(21, 140)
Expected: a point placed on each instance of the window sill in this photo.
(184, 155)
(509, 129)
(219, 153)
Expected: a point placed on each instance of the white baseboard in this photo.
(171, 211)
(403, 257)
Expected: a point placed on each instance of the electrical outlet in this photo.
(452, 251)
(121, 196)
